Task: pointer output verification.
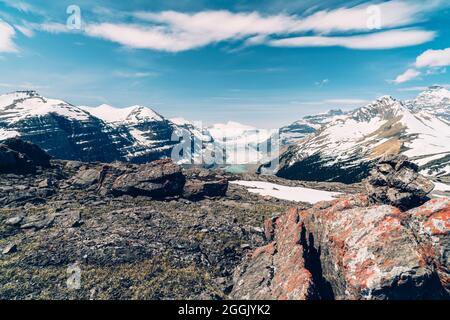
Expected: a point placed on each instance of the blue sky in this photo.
(264, 63)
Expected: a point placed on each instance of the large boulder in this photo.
(201, 183)
(157, 179)
(85, 178)
(356, 250)
(431, 225)
(396, 181)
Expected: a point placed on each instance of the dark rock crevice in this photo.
(313, 263)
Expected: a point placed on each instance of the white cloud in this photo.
(178, 31)
(433, 61)
(346, 19)
(390, 14)
(379, 40)
(25, 30)
(53, 27)
(7, 34)
(434, 58)
(408, 75)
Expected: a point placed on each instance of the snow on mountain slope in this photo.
(130, 115)
(435, 100)
(25, 104)
(242, 144)
(63, 130)
(309, 124)
(344, 149)
(151, 133)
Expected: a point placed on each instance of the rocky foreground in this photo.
(157, 231)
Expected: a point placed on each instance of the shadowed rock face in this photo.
(353, 250)
(396, 181)
(38, 156)
(18, 156)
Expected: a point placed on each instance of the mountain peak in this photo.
(22, 94)
(140, 113)
(385, 107)
(434, 97)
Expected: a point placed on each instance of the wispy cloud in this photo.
(127, 74)
(52, 27)
(408, 75)
(7, 34)
(23, 6)
(25, 30)
(173, 31)
(379, 40)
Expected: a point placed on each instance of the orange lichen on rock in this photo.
(363, 251)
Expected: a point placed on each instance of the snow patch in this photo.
(298, 194)
(438, 186)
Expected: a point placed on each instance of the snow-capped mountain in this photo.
(435, 100)
(241, 144)
(136, 134)
(64, 130)
(344, 149)
(149, 134)
(309, 124)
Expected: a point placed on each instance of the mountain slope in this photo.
(435, 100)
(63, 130)
(309, 124)
(148, 133)
(344, 149)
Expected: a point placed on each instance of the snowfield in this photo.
(441, 186)
(298, 194)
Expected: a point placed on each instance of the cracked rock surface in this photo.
(352, 249)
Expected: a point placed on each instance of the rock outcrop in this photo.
(38, 156)
(18, 156)
(396, 181)
(202, 183)
(277, 270)
(157, 179)
(353, 250)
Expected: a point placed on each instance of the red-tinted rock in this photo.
(350, 249)
(276, 271)
(431, 224)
